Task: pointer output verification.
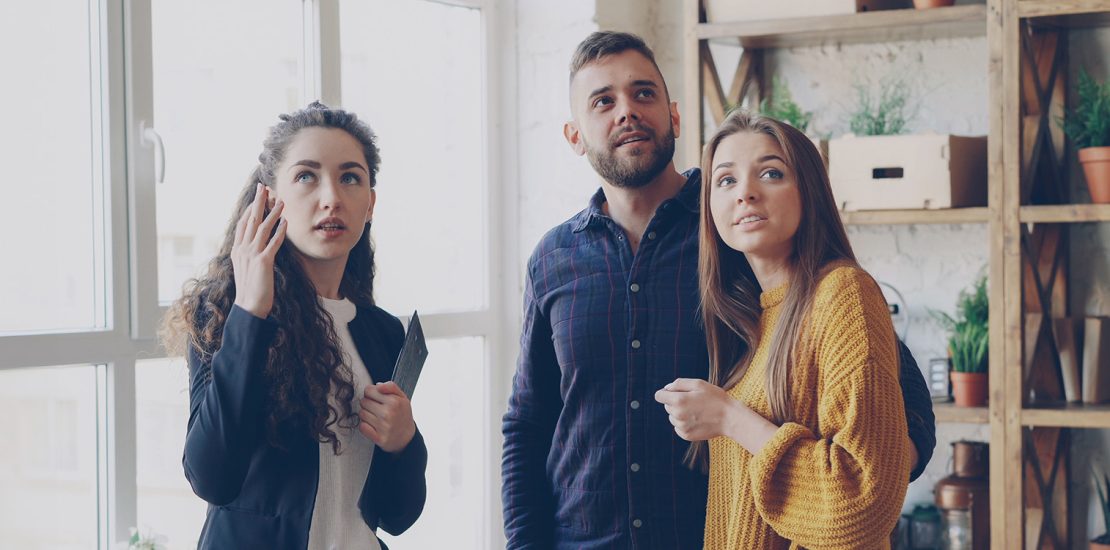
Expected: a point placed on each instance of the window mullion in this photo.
(118, 448)
(321, 52)
(142, 224)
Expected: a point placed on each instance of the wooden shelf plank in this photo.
(1065, 213)
(1067, 416)
(868, 27)
(906, 217)
(1050, 8)
(949, 413)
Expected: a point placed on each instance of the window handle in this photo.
(152, 138)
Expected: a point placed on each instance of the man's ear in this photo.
(574, 138)
(676, 120)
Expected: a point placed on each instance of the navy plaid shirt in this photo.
(590, 459)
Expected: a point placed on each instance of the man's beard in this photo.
(639, 170)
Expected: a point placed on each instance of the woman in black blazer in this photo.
(295, 438)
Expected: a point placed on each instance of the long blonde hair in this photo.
(729, 292)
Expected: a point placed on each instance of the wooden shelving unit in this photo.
(1026, 41)
(905, 217)
(1068, 416)
(951, 414)
(872, 27)
(1065, 213)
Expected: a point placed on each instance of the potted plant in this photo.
(968, 343)
(1102, 485)
(879, 166)
(888, 114)
(781, 106)
(1088, 125)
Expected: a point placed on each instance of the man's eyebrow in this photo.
(601, 90)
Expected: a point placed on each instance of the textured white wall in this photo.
(553, 183)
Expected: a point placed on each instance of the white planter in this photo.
(929, 171)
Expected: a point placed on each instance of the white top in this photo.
(337, 523)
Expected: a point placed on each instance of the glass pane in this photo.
(167, 505)
(48, 465)
(51, 154)
(231, 85)
(413, 70)
(448, 406)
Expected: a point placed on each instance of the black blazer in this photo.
(261, 496)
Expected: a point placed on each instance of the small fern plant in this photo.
(1088, 124)
(969, 330)
(887, 114)
(781, 106)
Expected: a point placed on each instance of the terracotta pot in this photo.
(1096, 167)
(969, 388)
(926, 4)
(1099, 546)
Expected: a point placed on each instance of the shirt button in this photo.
(634, 467)
(634, 405)
(635, 344)
(634, 287)
(651, 234)
(637, 523)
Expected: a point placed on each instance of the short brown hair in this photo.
(605, 43)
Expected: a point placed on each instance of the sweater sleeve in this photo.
(226, 410)
(842, 487)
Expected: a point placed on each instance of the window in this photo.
(429, 219)
(53, 197)
(48, 464)
(166, 503)
(213, 101)
(100, 248)
(455, 446)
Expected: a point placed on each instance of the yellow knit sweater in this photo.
(836, 476)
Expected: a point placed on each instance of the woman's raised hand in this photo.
(252, 254)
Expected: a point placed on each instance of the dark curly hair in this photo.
(306, 359)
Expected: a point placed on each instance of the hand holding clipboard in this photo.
(410, 362)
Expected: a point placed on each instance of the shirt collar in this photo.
(688, 197)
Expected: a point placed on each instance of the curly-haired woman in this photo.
(294, 438)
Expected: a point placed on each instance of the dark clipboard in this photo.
(410, 362)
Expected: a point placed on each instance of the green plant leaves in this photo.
(781, 106)
(1088, 124)
(885, 115)
(969, 330)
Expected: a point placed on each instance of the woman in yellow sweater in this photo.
(803, 414)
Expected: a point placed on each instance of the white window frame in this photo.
(123, 107)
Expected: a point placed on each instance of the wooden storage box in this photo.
(929, 171)
(721, 11)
